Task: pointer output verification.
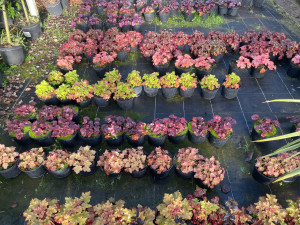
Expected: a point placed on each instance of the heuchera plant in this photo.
(173, 4)
(134, 79)
(148, 9)
(151, 80)
(71, 77)
(134, 129)
(82, 160)
(50, 112)
(32, 159)
(263, 62)
(18, 127)
(198, 126)
(243, 63)
(203, 63)
(136, 20)
(184, 61)
(266, 127)
(124, 91)
(112, 161)
(134, 159)
(161, 58)
(44, 90)
(69, 112)
(159, 160)
(57, 160)
(296, 60)
(89, 127)
(113, 76)
(77, 35)
(170, 80)
(55, 78)
(176, 126)
(63, 128)
(81, 91)
(181, 38)
(103, 89)
(66, 62)
(187, 158)
(221, 127)
(232, 81)
(113, 126)
(39, 129)
(209, 82)
(187, 6)
(134, 38)
(158, 127)
(25, 111)
(295, 120)
(187, 81)
(8, 156)
(233, 40)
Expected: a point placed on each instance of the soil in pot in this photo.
(101, 102)
(223, 10)
(233, 11)
(241, 72)
(139, 142)
(61, 173)
(43, 140)
(122, 56)
(149, 17)
(125, 104)
(150, 92)
(187, 93)
(83, 26)
(229, 93)
(69, 141)
(12, 171)
(33, 31)
(117, 141)
(55, 9)
(293, 71)
(36, 173)
(216, 141)
(169, 92)
(85, 103)
(13, 55)
(157, 141)
(208, 94)
(178, 138)
(92, 141)
(163, 17)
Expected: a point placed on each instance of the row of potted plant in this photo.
(195, 209)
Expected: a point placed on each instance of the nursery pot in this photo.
(256, 74)
(258, 176)
(187, 93)
(214, 10)
(178, 138)
(85, 103)
(93, 167)
(150, 92)
(293, 71)
(149, 17)
(233, 11)
(201, 73)
(189, 17)
(55, 9)
(180, 71)
(36, 173)
(61, 173)
(83, 26)
(44, 141)
(65, 4)
(217, 142)
(163, 174)
(134, 49)
(223, 10)
(25, 140)
(101, 102)
(162, 69)
(163, 17)
(180, 173)
(229, 93)
(122, 56)
(157, 141)
(246, 3)
(137, 27)
(139, 174)
(139, 142)
(109, 25)
(98, 26)
(115, 141)
(12, 171)
(174, 13)
(217, 58)
(208, 94)
(126, 28)
(100, 9)
(69, 142)
(196, 139)
(13, 55)
(51, 101)
(125, 104)
(33, 31)
(241, 72)
(138, 90)
(92, 141)
(258, 3)
(169, 92)
(100, 71)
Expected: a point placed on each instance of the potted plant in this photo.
(89, 50)
(161, 61)
(183, 64)
(160, 162)
(49, 113)
(71, 77)
(113, 130)
(102, 92)
(185, 161)
(156, 4)
(177, 129)
(100, 5)
(295, 120)
(65, 63)
(209, 87)
(19, 130)
(157, 131)
(148, 13)
(55, 78)
(136, 22)
(80, 22)
(70, 112)
(233, 7)
(263, 127)
(169, 82)
(209, 172)
(54, 7)
(198, 130)
(26, 111)
(9, 159)
(164, 13)
(57, 163)
(135, 162)
(217, 49)
(134, 39)
(31, 162)
(144, 215)
(260, 64)
(113, 77)
(111, 21)
(242, 66)
(203, 11)
(112, 162)
(101, 61)
(90, 131)
(62, 93)
(294, 67)
(204, 66)
(83, 161)
(124, 95)
(135, 131)
(151, 84)
(140, 4)
(40, 132)
(46, 93)
(181, 39)
(135, 81)
(95, 22)
(223, 7)
(122, 47)
(231, 86)
(220, 130)
(232, 40)
(188, 83)
(174, 6)
(65, 131)
(187, 7)
(82, 92)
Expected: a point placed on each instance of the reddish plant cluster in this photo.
(221, 127)
(265, 126)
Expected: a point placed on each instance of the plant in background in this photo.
(44, 90)
(81, 91)
(181, 38)
(176, 126)
(151, 80)
(266, 127)
(263, 62)
(184, 61)
(71, 77)
(243, 63)
(234, 3)
(170, 80)
(124, 91)
(8, 157)
(57, 160)
(134, 159)
(103, 89)
(89, 47)
(32, 159)
(72, 48)
(134, 38)
(63, 92)
(221, 127)
(187, 6)
(89, 127)
(296, 60)
(39, 129)
(18, 127)
(148, 9)
(140, 3)
(210, 172)
(158, 127)
(113, 126)
(186, 159)
(50, 112)
(134, 79)
(174, 209)
(293, 211)
(136, 20)
(203, 63)
(97, 35)
(112, 161)
(295, 120)
(66, 62)
(232, 81)
(79, 20)
(82, 160)
(134, 129)
(103, 59)
(26, 111)
(173, 5)
(159, 160)
(94, 20)
(113, 76)
(111, 18)
(69, 112)
(63, 129)
(55, 78)
(198, 126)
(143, 214)
(233, 40)
(187, 81)
(235, 214)
(161, 58)
(164, 10)
(209, 82)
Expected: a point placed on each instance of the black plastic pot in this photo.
(162, 69)
(258, 176)
(233, 11)
(149, 17)
(100, 71)
(92, 141)
(13, 55)
(189, 17)
(61, 173)
(98, 26)
(201, 73)
(93, 167)
(180, 71)
(100, 10)
(138, 90)
(51, 101)
(214, 10)
(70, 142)
(109, 25)
(196, 139)
(125, 104)
(231, 51)
(12, 171)
(183, 175)
(163, 17)
(137, 27)
(162, 175)
(9, 20)
(150, 92)
(139, 8)
(187, 93)
(139, 142)
(36, 173)
(258, 3)
(139, 174)
(115, 141)
(174, 13)
(44, 141)
(148, 59)
(293, 71)
(256, 74)
(55, 9)
(85, 103)
(122, 56)
(169, 92)
(134, 49)
(76, 118)
(217, 58)
(223, 10)
(181, 48)
(126, 28)
(83, 26)
(100, 102)
(25, 140)
(178, 138)
(157, 141)
(247, 3)
(229, 93)
(33, 31)
(65, 4)
(208, 94)
(65, 101)
(217, 142)
(241, 72)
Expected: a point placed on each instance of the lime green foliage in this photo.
(170, 80)
(217, 136)
(187, 81)
(63, 91)
(33, 136)
(103, 89)
(267, 134)
(293, 211)
(124, 91)
(134, 79)
(81, 91)
(209, 82)
(232, 81)
(55, 78)
(44, 90)
(71, 77)
(151, 80)
(25, 130)
(16, 36)
(113, 76)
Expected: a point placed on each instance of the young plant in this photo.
(134, 129)
(112, 161)
(243, 63)
(136, 20)
(170, 80)
(18, 127)
(187, 6)
(81, 91)
(176, 126)
(8, 156)
(48, 113)
(209, 82)
(69, 112)
(134, 160)
(26, 111)
(184, 61)
(103, 59)
(161, 58)
(198, 126)
(173, 5)
(55, 78)
(147, 10)
(134, 79)
(63, 129)
(39, 129)
(56, 160)
(151, 80)
(232, 81)
(82, 160)
(203, 63)
(187, 81)
(158, 127)
(263, 62)
(103, 89)
(124, 91)
(63, 92)
(266, 127)
(164, 10)
(89, 127)
(186, 159)
(221, 127)
(159, 160)
(113, 126)
(71, 77)
(44, 90)
(32, 159)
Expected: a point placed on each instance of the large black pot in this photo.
(217, 142)
(126, 28)
(178, 138)
(149, 17)
(214, 10)
(92, 141)
(217, 58)
(293, 71)
(12, 171)
(223, 10)
(109, 25)
(100, 71)
(240, 72)
(70, 142)
(150, 92)
(125, 104)
(85, 103)
(13, 55)
(258, 176)
(196, 139)
(162, 175)
(44, 141)
(138, 91)
(51, 101)
(101, 102)
(157, 141)
(61, 173)
(100, 9)
(137, 27)
(189, 17)
(229, 93)
(174, 13)
(55, 9)
(169, 92)
(183, 175)
(258, 3)
(33, 31)
(180, 71)
(201, 73)
(163, 17)
(233, 11)
(36, 173)
(162, 69)
(256, 74)
(83, 26)
(208, 94)
(139, 174)
(187, 93)
(255, 136)
(117, 141)
(122, 56)
(139, 142)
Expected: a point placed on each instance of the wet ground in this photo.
(147, 191)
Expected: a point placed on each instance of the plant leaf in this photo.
(288, 175)
(284, 100)
(294, 134)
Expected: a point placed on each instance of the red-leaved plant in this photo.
(159, 160)
(134, 129)
(113, 126)
(158, 127)
(266, 127)
(186, 159)
(176, 126)
(18, 127)
(198, 126)
(89, 127)
(57, 160)
(184, 61)
(221, 127)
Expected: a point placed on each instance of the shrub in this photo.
(134, 129)
(63, 92)
(39, 129)
(44, 90)
(50, 112)
(176, 126)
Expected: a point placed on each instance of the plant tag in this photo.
(27, 34)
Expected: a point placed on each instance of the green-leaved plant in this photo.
(209, 82)
(44, 90)
(151, 80)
